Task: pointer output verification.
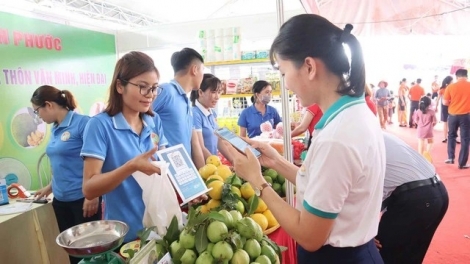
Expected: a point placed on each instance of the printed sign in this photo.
(183, 173)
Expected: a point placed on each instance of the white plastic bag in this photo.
(160, 200)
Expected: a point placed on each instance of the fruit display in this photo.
(230, 192)
(222, 237)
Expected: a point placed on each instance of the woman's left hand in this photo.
(90, 207)
(246, 166)
(198, 200)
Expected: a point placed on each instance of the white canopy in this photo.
(396, 17)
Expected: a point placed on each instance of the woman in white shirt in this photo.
(339, 186)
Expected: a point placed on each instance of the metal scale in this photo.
(94, 242)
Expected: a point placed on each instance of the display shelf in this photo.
(235, 62)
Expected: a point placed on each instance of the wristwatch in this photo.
(258, 190)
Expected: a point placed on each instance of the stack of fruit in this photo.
(222, 237)
(277, 181)
(230, 192)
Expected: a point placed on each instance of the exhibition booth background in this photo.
(88, 50)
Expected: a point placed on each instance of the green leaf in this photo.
(201, 239)
(144, 234)
(275, 246)
(282, 248)
(173, 232)
(253, 204)
(236, 240)
(216, 216)
(130, 252)
(211, 180)
(245, 204)
(178, 254)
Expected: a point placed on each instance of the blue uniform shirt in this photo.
(112, 140)
(174, 108)
(251, 119)
(205, 122)
(63, 150)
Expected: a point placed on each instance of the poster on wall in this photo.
(34, 52)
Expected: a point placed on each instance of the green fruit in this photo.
(205, 258)
(189, 257)
(248, 228)
(277, 187)
(187, 240)
(237, 182)
(263, 260)
(228, 218)
(210, 246)
(281, 179)
(253, 248)
(236, 191)
(268, 252)
(271, 173)
(174, 247)
(240, 207)
(222, 251)
(283, 188)
(268, 179)
(216, 231)
(236, 215)
(240, 257)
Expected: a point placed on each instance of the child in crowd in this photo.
(425, 119)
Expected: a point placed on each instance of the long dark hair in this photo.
(49, 93)
(209, 81)
(309, 35)
(447, 80)
(129, 66)
(424, 104)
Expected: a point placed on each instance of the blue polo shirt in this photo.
(205, 122)
(251, 119)
(63, 150)
(112, 140)
(174, 108)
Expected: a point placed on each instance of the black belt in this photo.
(410, 186)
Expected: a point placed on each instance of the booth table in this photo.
(29, 237)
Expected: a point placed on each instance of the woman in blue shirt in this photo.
(204, 119)
(122, 140)
(259, 112)
(71, 208)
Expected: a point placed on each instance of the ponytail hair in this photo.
(424, 104)
(322, 40)
(47, 93)
(447, 80)
(209, 82)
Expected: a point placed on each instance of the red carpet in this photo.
(450, 244)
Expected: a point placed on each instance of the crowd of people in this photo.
(448, 103)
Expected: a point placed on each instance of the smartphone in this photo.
(236, 141)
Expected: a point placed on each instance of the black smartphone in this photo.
(236, 141)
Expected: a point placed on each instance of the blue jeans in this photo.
(455, 122)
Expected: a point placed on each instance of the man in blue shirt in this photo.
(173, 104)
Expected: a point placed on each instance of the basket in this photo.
(271, 230)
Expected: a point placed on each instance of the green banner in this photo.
(33, 53)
